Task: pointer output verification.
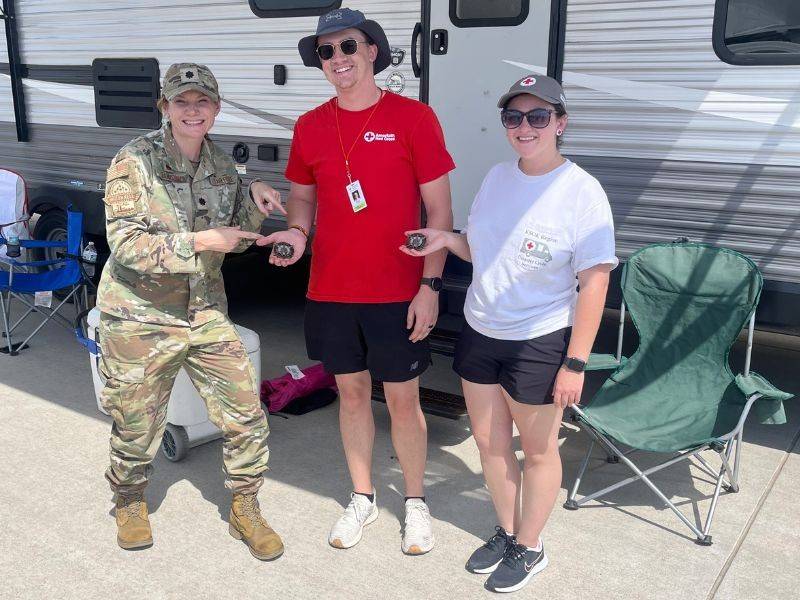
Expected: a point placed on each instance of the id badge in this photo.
(356, 196)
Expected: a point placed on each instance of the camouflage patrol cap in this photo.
(182, 77)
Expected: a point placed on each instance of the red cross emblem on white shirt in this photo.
(529, 245)
(528, 81)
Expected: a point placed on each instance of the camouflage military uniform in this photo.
(164, 307)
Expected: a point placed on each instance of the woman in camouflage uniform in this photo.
(174, 207)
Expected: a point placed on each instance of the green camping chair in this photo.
(677, 394)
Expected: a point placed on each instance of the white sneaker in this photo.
(346, 532)
(418, 532)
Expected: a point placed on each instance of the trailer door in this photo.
(467, 44)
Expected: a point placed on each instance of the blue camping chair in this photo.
(21, 283)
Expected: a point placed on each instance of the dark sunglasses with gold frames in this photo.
(348, 47)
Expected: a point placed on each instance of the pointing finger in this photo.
(276, 205)
(248, 235)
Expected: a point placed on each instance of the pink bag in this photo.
(277, 393)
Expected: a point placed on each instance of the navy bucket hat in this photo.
(338, 20)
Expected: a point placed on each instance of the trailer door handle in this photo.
(414, 60)
(439, 41)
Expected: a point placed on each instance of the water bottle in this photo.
(12, 246)
(89, 256)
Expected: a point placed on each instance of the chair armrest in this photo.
(769, 407)
(41, 244)
(32, 263)
(604, 362)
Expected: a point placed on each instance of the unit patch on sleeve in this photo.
(122, 189)
(121, 198)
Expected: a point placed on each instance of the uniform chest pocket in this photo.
(541, 246)
(216, 200)
(169, 200)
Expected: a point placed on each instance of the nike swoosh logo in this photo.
(529, 566)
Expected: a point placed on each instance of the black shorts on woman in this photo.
(525, 369)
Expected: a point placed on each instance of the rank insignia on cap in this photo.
(528, 81)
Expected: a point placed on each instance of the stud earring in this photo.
(559, 132)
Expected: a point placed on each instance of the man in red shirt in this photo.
(361, 163)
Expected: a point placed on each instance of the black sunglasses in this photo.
(538, 118)
(348, 47)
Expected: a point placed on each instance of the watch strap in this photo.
(575, 364)
(250, 187)
(431, 282)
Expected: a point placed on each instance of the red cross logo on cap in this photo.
(528, 81)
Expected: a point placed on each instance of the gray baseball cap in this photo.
(541, 86)
(338, 20)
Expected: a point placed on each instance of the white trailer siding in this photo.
(240, 48)
(685, 144)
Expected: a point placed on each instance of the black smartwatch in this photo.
(574, 364)
(435, 283)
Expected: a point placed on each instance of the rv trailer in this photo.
(687, 111)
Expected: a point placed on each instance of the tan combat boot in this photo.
(246, 523)
(133, 525)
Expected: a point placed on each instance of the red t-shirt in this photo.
(355, 255)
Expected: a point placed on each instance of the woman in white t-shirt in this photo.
(539, 227)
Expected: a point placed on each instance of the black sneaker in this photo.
(516, 569)
(486, 558)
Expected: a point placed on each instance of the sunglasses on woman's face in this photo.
(538, 118)
(348, 47)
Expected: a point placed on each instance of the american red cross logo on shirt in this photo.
(528, 81)
(369, 136)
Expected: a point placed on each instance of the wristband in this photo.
(299, 228)
(250, 188)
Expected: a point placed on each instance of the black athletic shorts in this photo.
(349, 338)
(526, 369)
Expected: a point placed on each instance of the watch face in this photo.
(436, 283)
(575, 364)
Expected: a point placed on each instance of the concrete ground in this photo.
(58, 537)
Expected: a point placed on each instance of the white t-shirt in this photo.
(529, 236)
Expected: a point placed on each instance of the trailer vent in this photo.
(126, 91)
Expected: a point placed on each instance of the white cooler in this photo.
(187, 417)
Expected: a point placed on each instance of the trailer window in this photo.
(757, 32)
(488, 13)
(292, 8)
